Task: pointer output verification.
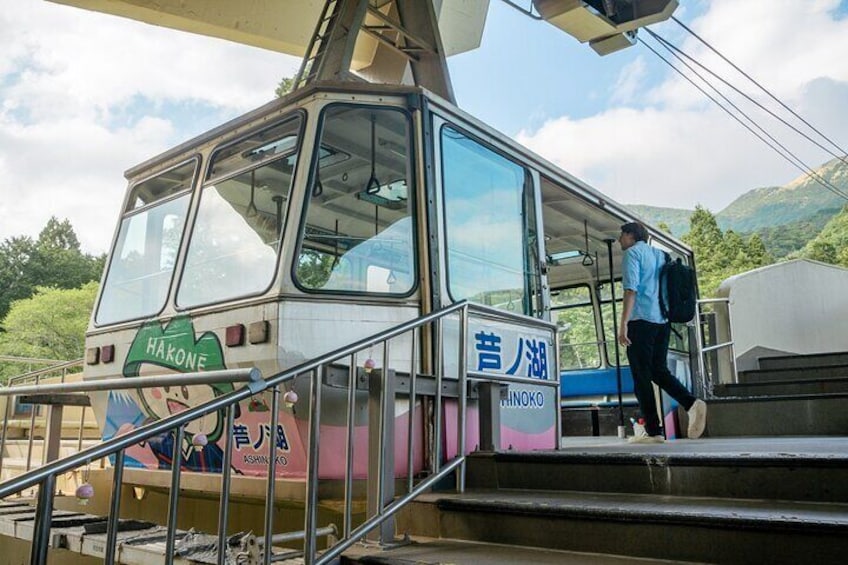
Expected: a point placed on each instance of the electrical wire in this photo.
(791, 157)
(805, 169)
(761, 87)
(671, 47)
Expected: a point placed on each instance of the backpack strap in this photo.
(663, 286)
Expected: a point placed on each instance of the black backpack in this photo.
(677, 282)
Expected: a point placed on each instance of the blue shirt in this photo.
(641, 273)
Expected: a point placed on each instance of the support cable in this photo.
(671, 47)
(802, 166)
(798, 162)
(761, 87)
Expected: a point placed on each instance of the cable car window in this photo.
(490, 224)
(357, 235)
(236, 236)
(143, 259)
(574, 314)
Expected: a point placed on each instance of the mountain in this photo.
(786, 217)
(801, 199)
(677, 219)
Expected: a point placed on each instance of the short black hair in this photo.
(637, 230)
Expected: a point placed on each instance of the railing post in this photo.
(33, 409)
(381, 448)
(114, 509)
(43, 520)
(270, 495)
(462, 397)
(489, 394)
(349, 447)
(9, 401)
(310, 546)
(735, 375)
(174, 496)
(410, 433)
(53, 433)
(226, 474)
(438, 371)
(699, 343)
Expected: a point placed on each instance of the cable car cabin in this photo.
(327, 216)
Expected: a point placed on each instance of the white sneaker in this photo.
(697, 419)
(643, 437)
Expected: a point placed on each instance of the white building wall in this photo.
(799, 306)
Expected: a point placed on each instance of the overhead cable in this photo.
(761, 87)
(671, 47)
(791, 158)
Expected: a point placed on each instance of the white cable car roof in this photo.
(285, 26)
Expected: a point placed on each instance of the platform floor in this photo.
(825, 447)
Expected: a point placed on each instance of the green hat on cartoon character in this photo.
(175, 348)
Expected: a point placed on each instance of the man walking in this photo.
(645, 333)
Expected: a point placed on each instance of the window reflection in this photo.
(490, 226)
(236, 236)
(358, 232)
(142, 262)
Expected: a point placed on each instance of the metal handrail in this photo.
(200, 378)
(36, 375)
(703, 349)
(207, 377)
(46, 475)
(112, 446)
(62, 366)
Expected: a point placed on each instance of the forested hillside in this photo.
(831, 245)
(799, 200)
(786, 218)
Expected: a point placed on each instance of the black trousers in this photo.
(647, 353)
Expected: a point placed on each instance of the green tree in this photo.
(721, 255)
(831, 244)
(820, 250)
(15, 276)
(53, 260)
(286, 85)
(49, 325)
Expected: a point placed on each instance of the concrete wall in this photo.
(799, 306)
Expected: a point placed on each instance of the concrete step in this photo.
(678, 468)
(783, 388)
(703, 529)
(804, 361)
(800, 415)
(794, 374)
(433, 551)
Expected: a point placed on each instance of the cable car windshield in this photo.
(236, 236)
(145, 253)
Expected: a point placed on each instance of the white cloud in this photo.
(630, 80)
(676, 149)
(85, 96)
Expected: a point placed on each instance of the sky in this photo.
(85, 96)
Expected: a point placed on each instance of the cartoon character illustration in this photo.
(174, 349)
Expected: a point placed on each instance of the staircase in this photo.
(797, 395)
(754, 491)
(716, 501)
